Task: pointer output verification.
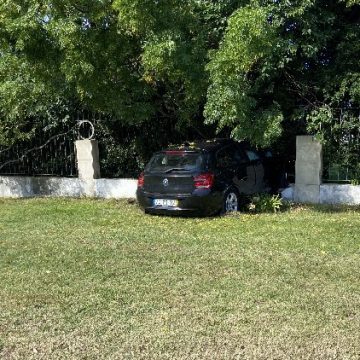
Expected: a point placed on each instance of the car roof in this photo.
(201, 145)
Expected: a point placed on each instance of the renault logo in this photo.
(166, 182)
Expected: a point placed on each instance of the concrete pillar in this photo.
(87, 154)
(308, 170)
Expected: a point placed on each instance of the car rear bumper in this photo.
(200, 203)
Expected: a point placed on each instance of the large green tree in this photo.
(260, 68)
(55, 54)
(286, 62)
(139, 63)
(132, 60)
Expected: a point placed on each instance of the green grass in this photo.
(87, 279)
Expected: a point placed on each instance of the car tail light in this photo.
(204, 181)
(141, 180)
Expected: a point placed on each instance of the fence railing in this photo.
(342, 147)
(50, 150)
(336, 173)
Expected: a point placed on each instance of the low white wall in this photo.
(328, 194)
(25, 186)
(339, 194)
(288, 193)
(115, 188)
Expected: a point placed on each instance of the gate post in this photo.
(87, 155)
(308, 170)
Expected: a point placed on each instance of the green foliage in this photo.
(249, 40)
(266, 203)
(280, 60)
(134, 61)
(124, 149)
(61, 52)
(255, 69)
(339, 132)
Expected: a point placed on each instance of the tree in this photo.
(140, 64)
(284, 60)
(134, 61)
(260, 68)
(59, 54)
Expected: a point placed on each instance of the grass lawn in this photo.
(87, 279)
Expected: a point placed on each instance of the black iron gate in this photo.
(50, 150)
(342, 148)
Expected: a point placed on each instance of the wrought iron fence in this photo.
(337, 173)
(342, 150)
(49, 151)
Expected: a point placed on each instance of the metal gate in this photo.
(50, 150)
(342, 149)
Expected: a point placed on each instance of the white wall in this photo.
(115, 188)
(19, 187)
(330, 194)
(339, 194)
(25, 186)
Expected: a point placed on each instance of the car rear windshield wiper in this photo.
(175, 169)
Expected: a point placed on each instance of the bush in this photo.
(265, 203)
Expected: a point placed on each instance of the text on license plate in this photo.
(166, 202)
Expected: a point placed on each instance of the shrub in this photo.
(265, 203)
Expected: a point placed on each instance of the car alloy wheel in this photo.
(231, 202)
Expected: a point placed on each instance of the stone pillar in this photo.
(308, 170)
(87, 154)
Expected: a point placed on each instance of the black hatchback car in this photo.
(201, 178)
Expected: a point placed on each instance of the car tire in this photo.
(231, 202)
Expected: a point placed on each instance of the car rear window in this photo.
(175, 161)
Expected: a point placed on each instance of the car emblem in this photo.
(166, 182)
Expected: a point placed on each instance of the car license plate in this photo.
(166, 203)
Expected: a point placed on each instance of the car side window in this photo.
(252, 155)
(225, 158)
(240, 157)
